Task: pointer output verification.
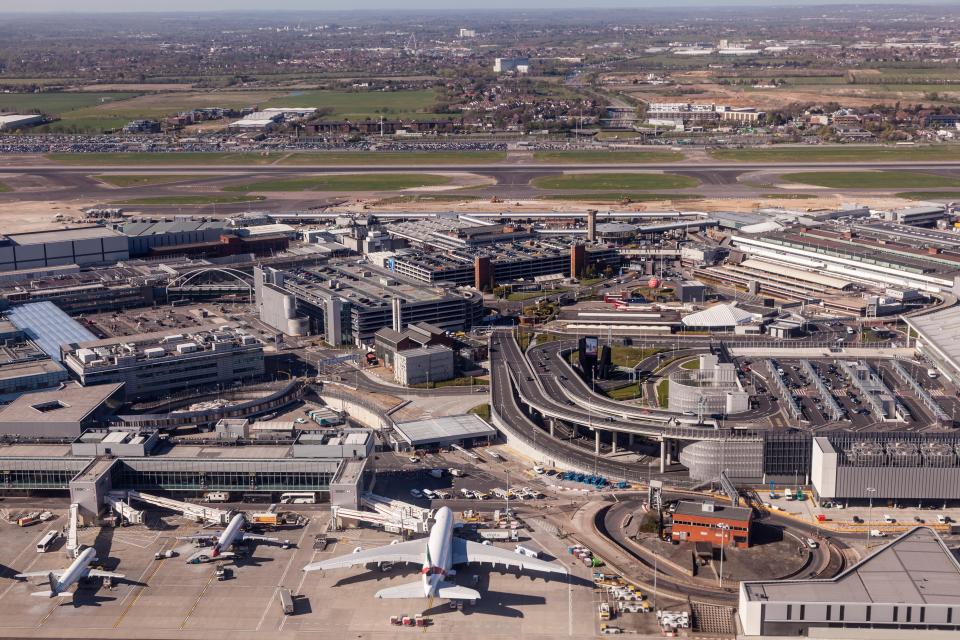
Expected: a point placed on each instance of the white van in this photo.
(942, 519)
(813, 544)
(876, 533)
(889, 519)
(933, 374)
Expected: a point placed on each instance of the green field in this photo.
(373, 158)
(131, 180)
(161, 159)
(839, 154)
(185, 200)
(691, 364)
(607, 157)
(631, 391)
(362, 104)
(948, 196)
(56, 104)
(346, 182)
(618, 197)
(631, 356)
(77, 111)
(663, 393)
(871, 179)
(4, 188)
(607, 181)
(788, 196)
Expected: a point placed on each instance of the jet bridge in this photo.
(123, 509)
(73, 545)
(386, 522)
(195, 512)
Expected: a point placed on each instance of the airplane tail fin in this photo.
(411, 590)
(456, 592)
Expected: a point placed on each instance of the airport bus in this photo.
(46, 542)
(298, 497)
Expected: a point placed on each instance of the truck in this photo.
(511, 535)
(217, 496)
(286, 601)
(526, 551)
(604, 611)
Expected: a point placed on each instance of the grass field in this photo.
(930, 195)
(160, 159)
(368, 158)
(185, 200)
(347, 182)
(362, 104)
(839, 154)
(412, 198)
(663, 393)
(5, 188)
(630, 356)
(58, 103)
(607, 157)
(522, 296)
(130, 180)
(607, 181)
(871, 179)
(618, 197)
(788, 196)
(691, 364)
(631, 391)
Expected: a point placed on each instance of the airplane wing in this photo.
(413, 551)
(251, 536)
(97, 573)
(465, 551)
(213, 535)
(40, 574)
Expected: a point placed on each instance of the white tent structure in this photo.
(719, 316)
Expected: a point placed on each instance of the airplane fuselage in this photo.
(438, 562)
(230, 535)
(76, 571)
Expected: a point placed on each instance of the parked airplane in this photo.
(439, 553)
(60, 581)
(224, 541)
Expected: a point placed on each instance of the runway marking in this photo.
(283, 575)
(196, 602)
(140, 589)
(49, 613)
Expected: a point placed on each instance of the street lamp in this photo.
(724, 527)
(871, 491)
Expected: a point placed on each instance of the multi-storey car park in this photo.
(347, 301)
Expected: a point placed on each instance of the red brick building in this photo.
(713, 523)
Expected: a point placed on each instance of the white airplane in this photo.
(60, 581)
(439, 555)
(224, 541)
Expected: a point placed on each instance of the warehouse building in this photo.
(910, 588)
(11, 121)
(80, 246)
(142, 237)
(465, 430)
(155, 364)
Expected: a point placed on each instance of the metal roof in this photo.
(916, 568)
(721, 315)
(446, 429)
(47, 325)
(941, 331)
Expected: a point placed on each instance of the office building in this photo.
(910, 588)
(152, 365)
(424, 365)
(718, 524)
(520, 66)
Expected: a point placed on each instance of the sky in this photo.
(77, 6)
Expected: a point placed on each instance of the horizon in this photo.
(437, 6)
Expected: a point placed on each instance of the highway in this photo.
(546, 394)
